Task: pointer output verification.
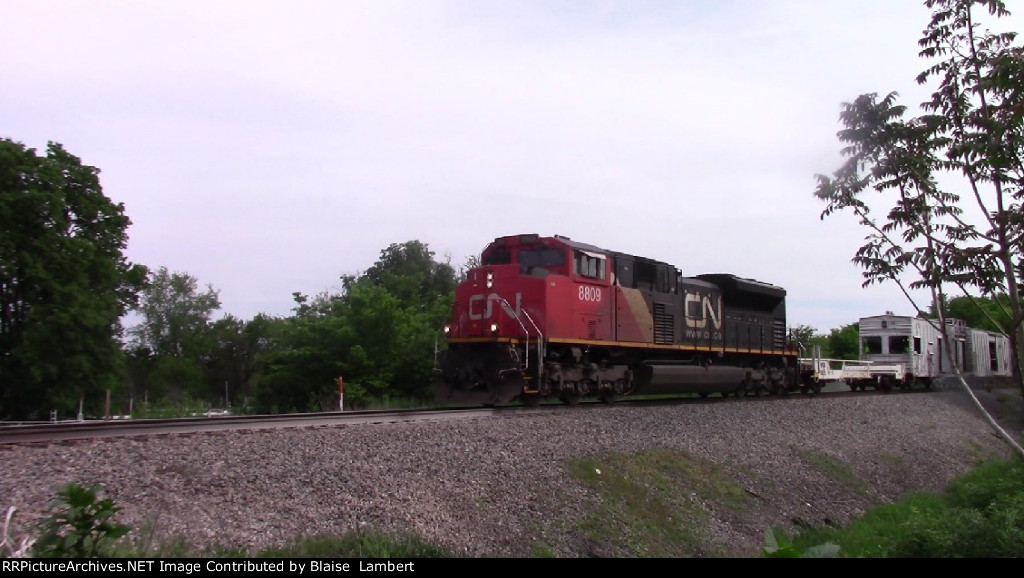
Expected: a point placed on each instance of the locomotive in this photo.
(549, 317)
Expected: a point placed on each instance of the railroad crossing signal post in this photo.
(341, 394)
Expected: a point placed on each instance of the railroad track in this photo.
(66, 431)
(18, 434)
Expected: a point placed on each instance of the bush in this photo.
(79, 525)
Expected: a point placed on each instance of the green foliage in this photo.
(232, 365)
(646, 503)
(805, 337)
(176, 315)
(972, 131)
(991, 313)
(64, 282)
(182, 406)
(778, 545)
(360, 544)
(355, 544)
(835, 469)
(840, 343)
(410, 273)
(80, 525)
(844, 342)
(379, 336)
(980, 516)
(177, 349)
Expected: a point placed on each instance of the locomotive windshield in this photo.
(543, 257)
(498, 256)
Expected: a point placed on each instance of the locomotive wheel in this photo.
(531, 400)
(571, 398)
(609, 397)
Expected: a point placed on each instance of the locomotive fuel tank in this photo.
(666, 377)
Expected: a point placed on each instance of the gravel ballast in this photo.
(502, 486)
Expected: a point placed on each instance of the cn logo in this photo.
(699, 309)
(482, 306)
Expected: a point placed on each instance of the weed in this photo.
(79, 525)
(836, 469)
(777, 545)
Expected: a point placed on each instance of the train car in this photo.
(552, 317)
(988, 354)
(918, 344)
(914, 342)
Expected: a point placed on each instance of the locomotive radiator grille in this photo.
(664, 328)
(779, 334)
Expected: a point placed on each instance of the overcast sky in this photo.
(271, 147)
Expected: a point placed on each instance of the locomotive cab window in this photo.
(590, 265)
(871, 345)
(497, 257)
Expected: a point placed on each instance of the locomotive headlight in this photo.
(447, 329)
(490, 280)
(494, 327)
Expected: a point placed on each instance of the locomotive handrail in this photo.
(540, 347)
(540, 335)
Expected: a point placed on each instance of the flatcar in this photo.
(549, 317)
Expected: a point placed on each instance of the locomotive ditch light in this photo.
(447, 329)
(494, 327)
(490, 280)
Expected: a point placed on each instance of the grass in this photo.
(835, 469)
(980, 516)
(350, 545)
(657, 503)
(164, 409)
(651, 504)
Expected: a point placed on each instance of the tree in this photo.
(64, 282)
(174, 331)
(409, 272)
(989, 313)
(805, 337)
(379, 335)
(971, 133)
(233, 360)
(304, 358)
(175, 314)
(843, 342)
(472, 262)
